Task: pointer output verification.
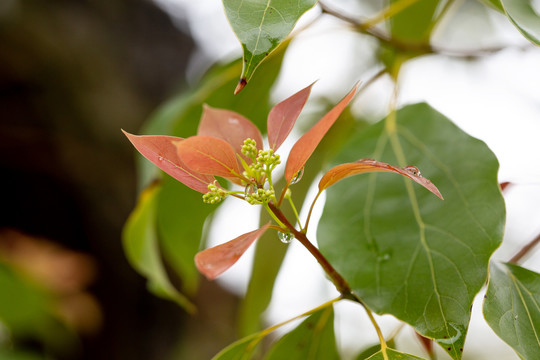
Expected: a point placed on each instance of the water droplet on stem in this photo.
(285, 238)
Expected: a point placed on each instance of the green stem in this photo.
(272, 214)
(288, 196)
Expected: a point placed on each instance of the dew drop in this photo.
(412, 170)
(285, 238)
(160, 158)
(298, 176)
(367, 161)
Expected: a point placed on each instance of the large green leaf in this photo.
(402, 249)
(313, 339)
(261, 25)
(512, 308)
(394, 355)
(141, 248)
(524, 17)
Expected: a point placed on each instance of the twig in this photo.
(525, 250)
(424, 48)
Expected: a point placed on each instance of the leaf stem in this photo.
(289, 197)
(311, 210)
(339, 282)
(384, 347)
(273, 215)
(525, 250)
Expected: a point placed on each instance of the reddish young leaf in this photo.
(229, 126)
(305, 146)
(282, 117)
(161, 150)
(208, 155)
(368, 165)
(214, 261)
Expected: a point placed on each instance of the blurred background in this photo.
(73, 72)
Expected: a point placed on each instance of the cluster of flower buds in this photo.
(261, 196)
(214, 195)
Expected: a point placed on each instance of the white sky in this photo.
(496, 99)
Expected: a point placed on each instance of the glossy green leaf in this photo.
(512, 308)
(313, 339)
(394, 355)
(261, 25)
(403, 250)
(524, 17)
(141, 248)
(415, 22)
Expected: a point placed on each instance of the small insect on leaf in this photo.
(162, 151)
(214, 261)
(343, 171)
(208, 155)
(304, 147)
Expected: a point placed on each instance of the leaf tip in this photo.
(241, 84)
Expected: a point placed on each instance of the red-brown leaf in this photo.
(161, 150)
(343, 171)
(305, 146)
(208, 155)
(229, 126)
(282, 117)
(214, 261)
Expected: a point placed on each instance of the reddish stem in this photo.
(340, 283)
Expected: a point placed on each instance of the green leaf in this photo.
(524, 17)
(415, 22)
(261, 25)
(403, 250)
(512, 308)
(313, 339)
(141, 248)
(394, 355)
